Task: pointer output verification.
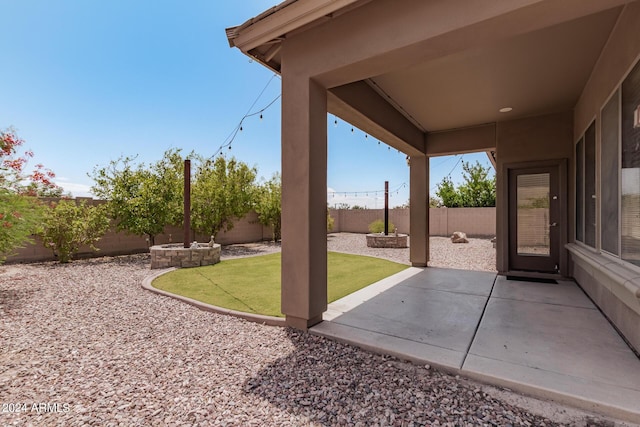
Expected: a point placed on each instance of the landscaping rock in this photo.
(87, 337)
(459, 237)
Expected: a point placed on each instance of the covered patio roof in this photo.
(433, 78)
(532, 56)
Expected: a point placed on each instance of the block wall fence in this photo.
(476, 222)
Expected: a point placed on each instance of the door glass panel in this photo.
(533, 214)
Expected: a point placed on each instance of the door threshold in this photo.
(532, 275)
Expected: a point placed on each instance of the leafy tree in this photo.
(142, 199)
(19, 219)
(434, 202)
(222, 192)
(330, 220)
(448, 194)
(20, 209)
(67, 226)
(478, 190)
(358, 207)
(342, 206)
(269, 205)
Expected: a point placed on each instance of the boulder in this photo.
(459, 237)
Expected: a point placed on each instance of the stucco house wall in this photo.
(613, 284)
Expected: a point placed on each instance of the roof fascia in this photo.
(294, 15)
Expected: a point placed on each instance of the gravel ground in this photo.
(478, 254)
(83, 344)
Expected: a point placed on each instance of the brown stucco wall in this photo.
(475, 222)
(547, 137)
(610, 283)
(245, 230)
(617, 58)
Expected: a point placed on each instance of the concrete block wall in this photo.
(245, 230)
(476, 222)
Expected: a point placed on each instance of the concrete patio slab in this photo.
(450, 280)
(552, 339)
(546, 340)
(431, 323)
(565, 292)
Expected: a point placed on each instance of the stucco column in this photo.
(304, 200)
(419, 210)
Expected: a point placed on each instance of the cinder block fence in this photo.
(476, 222)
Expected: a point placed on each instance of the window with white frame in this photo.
(619, 174)
(586, 187)
(630, 168)
(590, 186)
(610, 173)
(580, 190)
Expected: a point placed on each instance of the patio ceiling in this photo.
(538, 72)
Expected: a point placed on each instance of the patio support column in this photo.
(419, 210)
(304, 200)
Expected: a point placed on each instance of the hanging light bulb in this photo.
(378, 142)
(240, 128)
(261, 116)
(335, 122)
(366, 136)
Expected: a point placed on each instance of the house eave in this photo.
(281, 19)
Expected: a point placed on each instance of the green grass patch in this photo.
(252, 284)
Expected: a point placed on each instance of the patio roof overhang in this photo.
(446, 65)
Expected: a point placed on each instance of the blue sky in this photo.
(84, 82)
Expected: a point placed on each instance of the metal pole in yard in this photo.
(386, 208)
(187, 203)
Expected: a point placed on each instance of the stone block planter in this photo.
(379, 240)
(175, 255)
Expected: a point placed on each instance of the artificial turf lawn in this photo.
(253, 284)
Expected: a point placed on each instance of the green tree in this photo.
(448, 194)
(142, 199)
(19, 219)
(478, 189)
(66, 226)
(269, 205)
(222, 192)
(20, 210)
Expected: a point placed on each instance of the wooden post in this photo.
(386, 208)
(187, 203)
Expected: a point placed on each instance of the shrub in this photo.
(377, 226)
(66, 226)
(269, 205)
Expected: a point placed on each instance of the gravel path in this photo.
(83, 344)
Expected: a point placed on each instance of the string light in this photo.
(374, 193)
(239, 128)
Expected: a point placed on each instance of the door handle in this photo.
(554, 224)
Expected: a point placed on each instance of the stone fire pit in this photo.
(176, 255)
(379, 240)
